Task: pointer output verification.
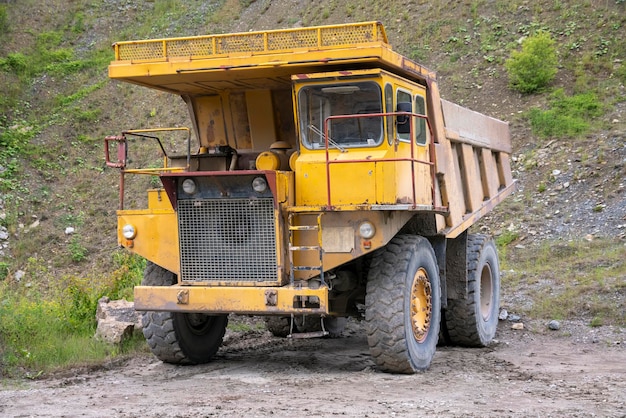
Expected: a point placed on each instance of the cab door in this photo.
(411, 143)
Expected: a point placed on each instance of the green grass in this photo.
(49, 326)
(236, 325)
(567, 116)
(571, 280)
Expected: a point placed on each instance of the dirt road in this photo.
(574, 372)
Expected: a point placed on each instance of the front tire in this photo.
(472, 320)
(180, 338)
(403, 305)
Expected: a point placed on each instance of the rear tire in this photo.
(180, 338)
(279, 326)
(472, 321)
(403, 305)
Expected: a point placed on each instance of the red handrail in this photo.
(412, 159)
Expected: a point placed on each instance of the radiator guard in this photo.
(227, 240)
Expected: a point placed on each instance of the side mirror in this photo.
(122, 151)
(402, 121)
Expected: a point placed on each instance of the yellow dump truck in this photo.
(323, 177)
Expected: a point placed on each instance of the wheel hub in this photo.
(421, 305)
(486, 292)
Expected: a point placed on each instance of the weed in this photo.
(88, 115)
(506, 238)
(603, 47)
(4, 20)
(596, 321)
(78, 24)
(4, 270)
(541, 187)
(620, 73)
(63, 101)
(239, 327)
(78, 252)
(127, 275)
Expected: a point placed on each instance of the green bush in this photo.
(535, 66)
(16, 63)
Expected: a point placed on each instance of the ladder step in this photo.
(305, 248)
(307, 268)
(315, 334)
(304, 228)
(293, 230)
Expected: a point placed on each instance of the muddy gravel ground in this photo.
(576, 371)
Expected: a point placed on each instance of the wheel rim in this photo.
(486, 292)
(197, 323)
(421, 305)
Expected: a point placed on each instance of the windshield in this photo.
(317, 103)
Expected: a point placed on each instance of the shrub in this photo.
(16, 63)
(535, 66)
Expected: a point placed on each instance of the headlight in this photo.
(128, 231)
(189, 186)
(259, 184)
(367, 230)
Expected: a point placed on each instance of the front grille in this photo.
(227, 240)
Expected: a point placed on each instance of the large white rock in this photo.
(117, 320)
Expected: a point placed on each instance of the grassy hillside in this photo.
(57, 105)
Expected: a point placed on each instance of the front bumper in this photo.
(230, 299)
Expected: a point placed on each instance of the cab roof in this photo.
(257, 60)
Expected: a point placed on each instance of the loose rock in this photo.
(117, 320)
(554, 325)
(503, 315)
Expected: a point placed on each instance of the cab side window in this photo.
(403, 97)
(389, 109)
(419, 123)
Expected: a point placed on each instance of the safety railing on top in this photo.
(262, 42)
